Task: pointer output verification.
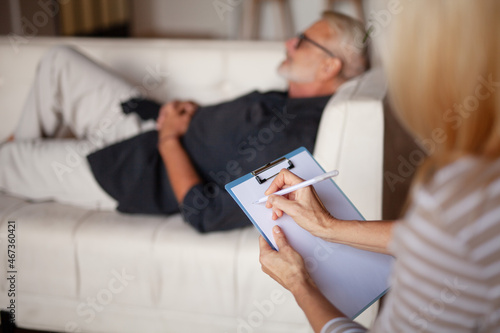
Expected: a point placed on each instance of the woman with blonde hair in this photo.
(444, 81)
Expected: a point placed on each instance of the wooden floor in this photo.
(20, 330)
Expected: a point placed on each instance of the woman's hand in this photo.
(288, 269)
(303, 205)
(308, 211)
(286, 266)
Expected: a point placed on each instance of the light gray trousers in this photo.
(73, 109)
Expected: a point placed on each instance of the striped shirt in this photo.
(447, 274)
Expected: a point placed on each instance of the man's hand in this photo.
(173, 122)
(174, 119)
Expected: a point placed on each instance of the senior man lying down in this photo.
(176, 157)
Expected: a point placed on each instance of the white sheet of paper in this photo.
(350, 278)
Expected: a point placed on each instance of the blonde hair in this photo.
(442, 56)
(347, 43)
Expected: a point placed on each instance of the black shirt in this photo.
(224, 141)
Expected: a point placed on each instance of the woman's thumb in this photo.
(279, 237)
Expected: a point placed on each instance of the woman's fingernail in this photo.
(276, 229)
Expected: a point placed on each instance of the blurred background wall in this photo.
(221, 19)
(200, 19)
(66, 17)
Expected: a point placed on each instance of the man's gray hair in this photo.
(348, 43)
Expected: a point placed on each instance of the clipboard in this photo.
(350, 278)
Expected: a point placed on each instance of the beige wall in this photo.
(201, 18)
(187, 18)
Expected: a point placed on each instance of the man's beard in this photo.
(295, 74)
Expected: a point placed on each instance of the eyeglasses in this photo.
(302, 37)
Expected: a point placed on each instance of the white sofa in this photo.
(99, 271)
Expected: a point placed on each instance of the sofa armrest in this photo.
(351, 137)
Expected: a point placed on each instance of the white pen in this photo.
(305, 183)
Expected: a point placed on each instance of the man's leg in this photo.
(69, 91)
(72, 91)
(52, 169)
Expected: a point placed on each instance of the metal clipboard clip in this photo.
(271, 169)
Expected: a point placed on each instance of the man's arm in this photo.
(172, 124)
(180, 170)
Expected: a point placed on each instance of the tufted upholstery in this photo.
(99, 271)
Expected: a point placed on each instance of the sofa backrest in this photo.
(204, 71)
